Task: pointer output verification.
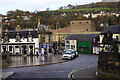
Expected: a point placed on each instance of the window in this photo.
(87, 29)
(67, 46)
(43, 39)
(49, 38)
(67, 42)
(80, 22)
(29, 38)
(18, 37)
(72, 46)
(6, 38)
(86, 22)
(94, 40)
(72, 22)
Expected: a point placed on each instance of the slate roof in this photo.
(73, 36)
(112, 29)
(12, 34)
(88, 37)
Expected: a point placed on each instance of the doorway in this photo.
(24, 49)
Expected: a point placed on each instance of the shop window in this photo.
(16, 46)
(84, 49)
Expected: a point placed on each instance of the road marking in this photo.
(71, 77)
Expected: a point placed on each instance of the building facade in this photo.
(82, 26)
(115, 30)
(20, 42)
(71, 41)
(45, 39)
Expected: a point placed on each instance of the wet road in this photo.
(18, 61)
(60, 70)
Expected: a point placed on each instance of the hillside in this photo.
(62, 17)
(99, 5)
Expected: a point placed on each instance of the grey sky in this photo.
(40, 5)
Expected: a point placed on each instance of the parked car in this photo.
(68, 55)
(74, 52)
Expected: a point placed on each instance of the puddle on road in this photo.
(16, 61)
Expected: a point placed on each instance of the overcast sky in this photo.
(40, 5)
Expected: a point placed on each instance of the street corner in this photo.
(84, 73)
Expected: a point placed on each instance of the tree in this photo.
(111, 20)
(80, 16)
(19, 12)
(18, 21)
(119, 6)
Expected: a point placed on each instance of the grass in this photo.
(83, 9)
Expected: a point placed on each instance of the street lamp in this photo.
(58, 35)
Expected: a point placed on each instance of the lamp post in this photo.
(57, 34)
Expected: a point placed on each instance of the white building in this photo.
(20, 42)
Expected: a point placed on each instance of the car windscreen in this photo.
(67, 53)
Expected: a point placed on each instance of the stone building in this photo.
(45, 39)
(82, 26)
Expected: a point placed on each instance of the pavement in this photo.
(84, 73)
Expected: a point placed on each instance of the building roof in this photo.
(43, 30)
(62, 30)
(73, 36)
(12, 34)
(112, 29)
(88, 37)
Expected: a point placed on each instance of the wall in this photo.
(82, 26)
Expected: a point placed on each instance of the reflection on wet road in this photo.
(16, 61)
